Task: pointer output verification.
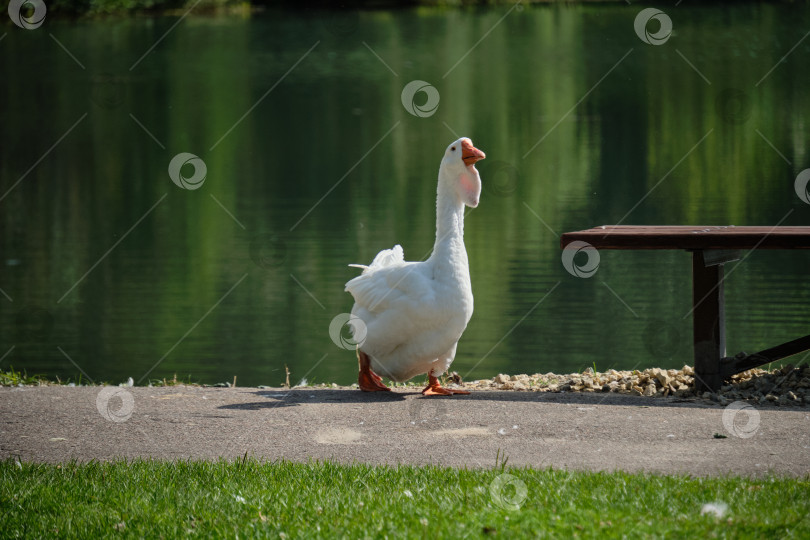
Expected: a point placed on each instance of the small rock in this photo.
(715, 509)
(662, 377)
(771, 397)
(501, 378)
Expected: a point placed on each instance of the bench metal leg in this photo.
(742, 362)
(712, 366)
(709, 328)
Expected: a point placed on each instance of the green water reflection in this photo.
(110, 268)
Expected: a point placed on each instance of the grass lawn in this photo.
(145, 498)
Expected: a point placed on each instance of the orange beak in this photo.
(470, 154)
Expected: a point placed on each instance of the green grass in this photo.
(288, 500)
(11, 377)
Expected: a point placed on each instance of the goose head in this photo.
(458, 170)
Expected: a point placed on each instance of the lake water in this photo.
(312, 162)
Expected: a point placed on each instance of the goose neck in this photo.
(449, 225)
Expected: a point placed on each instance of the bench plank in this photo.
(690, 237)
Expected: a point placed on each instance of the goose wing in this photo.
(391, 282)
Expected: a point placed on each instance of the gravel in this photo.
(785, 386)
(788, 385)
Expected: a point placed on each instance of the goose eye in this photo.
(452, 148)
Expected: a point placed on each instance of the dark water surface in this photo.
(313, 162)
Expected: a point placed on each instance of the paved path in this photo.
(576, 431)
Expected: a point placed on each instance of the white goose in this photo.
(415, 312)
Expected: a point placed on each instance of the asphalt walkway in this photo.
(568, 430)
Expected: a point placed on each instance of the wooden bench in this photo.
(711, 248)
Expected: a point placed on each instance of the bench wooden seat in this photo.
(711, 247)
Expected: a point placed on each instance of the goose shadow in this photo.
(290, 398)
(295, 397)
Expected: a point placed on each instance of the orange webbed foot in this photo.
(368, 381)
(434, 388)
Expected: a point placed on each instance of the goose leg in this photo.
(436, 389)
(368, 380)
